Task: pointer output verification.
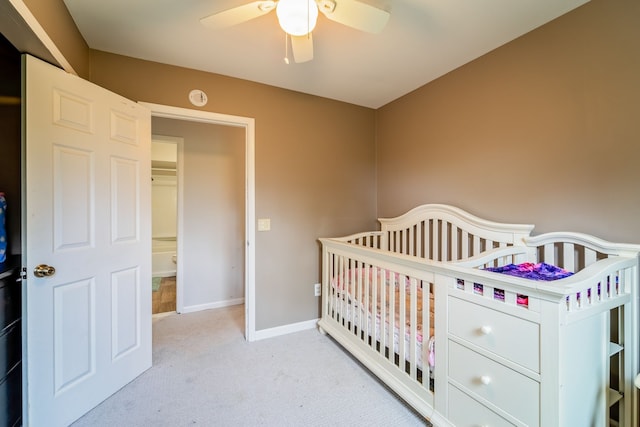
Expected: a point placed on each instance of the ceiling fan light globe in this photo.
(297, 17)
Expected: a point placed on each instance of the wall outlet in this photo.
(317, 290)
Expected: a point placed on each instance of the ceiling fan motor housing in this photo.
(297, 17)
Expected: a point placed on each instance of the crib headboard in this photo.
(575, 251)
(446, 233)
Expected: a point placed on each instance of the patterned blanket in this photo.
(529, 270)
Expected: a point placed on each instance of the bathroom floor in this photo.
(164, 299)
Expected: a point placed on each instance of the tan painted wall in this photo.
(315, 160)
(544, 130)
(56, 21)
(315, 166)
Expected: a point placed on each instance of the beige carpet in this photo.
(204, 373)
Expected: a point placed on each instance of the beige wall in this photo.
(56, 21)
(544, 130)
(315, 166)
(315, 160)
(541, 130)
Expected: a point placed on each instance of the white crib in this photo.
(508, 350)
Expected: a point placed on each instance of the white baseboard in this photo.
(217, 304)
(285, 329)
(264, 333)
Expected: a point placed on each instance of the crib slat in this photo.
(444, 255)
(413, 321)
(590, 256)
(344, 296)
(409, 241)
(568, 255)
(375, 329)
(426, 330)
(427, 240)
(550, 254)
(627, 279)
(436, 240)
(392, 313)
(339, 296)
(413, 250)
(405, 241)
(357, 311)
(419, 234)
(476, 245)
(383, 308)
(465, 244)
(366, 302)
(332, 277)
(454, 243)
(402, 316)
(351, 290)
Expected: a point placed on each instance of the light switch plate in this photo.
(264, 224)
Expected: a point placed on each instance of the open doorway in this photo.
(209, 267)
(164, 222)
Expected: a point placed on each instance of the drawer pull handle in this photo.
(486, 330)
(485, 379)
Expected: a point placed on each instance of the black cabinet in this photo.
(10, 185)
(10, 343)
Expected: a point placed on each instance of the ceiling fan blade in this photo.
(238, 15)
(354, 14)
(302, 47)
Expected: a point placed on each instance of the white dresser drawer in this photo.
(513, 338)
(467, 412)
(509, 390)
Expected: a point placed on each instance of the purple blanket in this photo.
(528, 270)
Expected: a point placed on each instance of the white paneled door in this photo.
(88, 216)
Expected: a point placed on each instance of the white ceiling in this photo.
(423, 40)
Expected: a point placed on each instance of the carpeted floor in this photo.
(205, 373)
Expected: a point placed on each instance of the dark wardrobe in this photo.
(10, 284)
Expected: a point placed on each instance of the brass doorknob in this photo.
(44, 270)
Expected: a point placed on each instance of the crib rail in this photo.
(597, 284)
(369, 239)
(598, 288)
(382, 312)
(445, 233)
(576, 251)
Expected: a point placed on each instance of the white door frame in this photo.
(248, 124)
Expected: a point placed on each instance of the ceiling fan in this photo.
(298, 19)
